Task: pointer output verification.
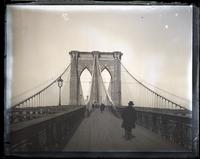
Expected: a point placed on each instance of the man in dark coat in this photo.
(129, 118)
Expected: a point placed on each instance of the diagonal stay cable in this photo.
(112, 103)
(43, 88)
(187, 100)
(151, 89)
(99, 71)
(31, 89)
(35, 87)
(165, 91)
(91, 85)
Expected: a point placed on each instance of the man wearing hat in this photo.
(129, 118)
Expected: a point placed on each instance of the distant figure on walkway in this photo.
(102, 107)
(92, 106)
(129, 118)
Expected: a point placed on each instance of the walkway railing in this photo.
(176, 128)
(45, 134)
(18, 115)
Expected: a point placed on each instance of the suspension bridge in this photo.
(58, 117)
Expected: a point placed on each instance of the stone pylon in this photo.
(106, 60)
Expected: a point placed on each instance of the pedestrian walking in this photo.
(129, 118)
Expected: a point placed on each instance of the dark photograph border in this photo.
(195, 90)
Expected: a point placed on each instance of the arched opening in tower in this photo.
(106, 78)
(86, 80)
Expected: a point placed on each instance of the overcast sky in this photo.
(156, 42)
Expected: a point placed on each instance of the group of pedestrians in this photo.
(101, 107)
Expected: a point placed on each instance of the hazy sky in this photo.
(156, 42)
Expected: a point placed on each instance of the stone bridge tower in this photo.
(107, 60)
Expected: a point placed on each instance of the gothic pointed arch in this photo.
(85, 81)
(106, 76)
(85, 60)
